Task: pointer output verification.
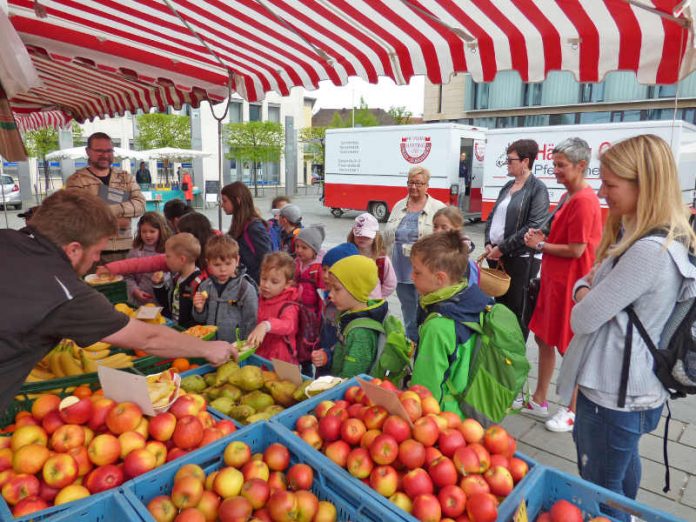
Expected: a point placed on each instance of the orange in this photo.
(82, 391)
(180, 364)
(140, 353)
(22, 414)
(99, 392)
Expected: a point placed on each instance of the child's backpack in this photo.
(498, 366)
(394, 358)
(274, 231)
(308, 330)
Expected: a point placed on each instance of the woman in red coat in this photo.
(568, 254)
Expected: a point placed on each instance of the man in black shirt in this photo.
(44, 299)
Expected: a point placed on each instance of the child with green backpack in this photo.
(470, 374)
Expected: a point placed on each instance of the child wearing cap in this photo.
(290, 219)
(274, 229)
(365, 235)
(309, 278)
(351, 280)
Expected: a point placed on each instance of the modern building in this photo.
(559, 100)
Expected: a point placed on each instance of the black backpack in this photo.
(675, 355)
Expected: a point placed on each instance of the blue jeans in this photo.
(408, 297)
(607, 447)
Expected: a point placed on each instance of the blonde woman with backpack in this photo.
(642, 263)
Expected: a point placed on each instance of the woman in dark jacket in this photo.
(247, 228)
(523, 203)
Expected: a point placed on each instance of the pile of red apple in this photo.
(263, 487)
(444, 468)
(67, 450)
(564, 511)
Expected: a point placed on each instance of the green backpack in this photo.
(394, 359)
(498, 369)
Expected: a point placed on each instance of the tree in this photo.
(163, 130)
(315, 146)
(360, 116)
(401, 115)
(255, 142)
(39, 143)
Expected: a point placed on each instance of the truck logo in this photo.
(479, 150)
(501, 161)
(415, 149)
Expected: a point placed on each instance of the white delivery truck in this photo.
(366, 168)
(679, 134)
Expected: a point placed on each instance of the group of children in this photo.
(307, 300)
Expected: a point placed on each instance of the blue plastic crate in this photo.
(254, 360)
(50, 513)
(548, 485)
(350, 503)
(287, 420)
(104, 509)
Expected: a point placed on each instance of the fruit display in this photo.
(202, 331)
(67, 359)
(438, 467)
(131, 312)
(242, 486)
(64, 450)
(248, 394)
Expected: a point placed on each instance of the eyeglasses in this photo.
(510, 160)
(103, 151)
(416, 184)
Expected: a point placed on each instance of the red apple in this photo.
(187, 492)
(425, 431)
(67, 437)
(412, 454)
(338, 452)
(60, 470)
(413, 408)
(74, 410)
(81, 456)
(449, 441)
(453, 501)
(256, 491)
(495, 440)
(499, 481)
(417, 482)
(384, 449)
(401, 500)
(175, 453)
(453, 420)
(307, 505)
(369, 437)
(139, 461)
(228, 482)
(472, 430)
(276, 480)
(100, 409)
(6, 457)
(162, 509)
(359, 463)
(46, 492)
(421, 390)
(158, 449)
(443, 472)
(282, 506)
(322, 408)
(70, 493)
(28, 435)
(210, 435)
(226, 427)
(355, 410)
(29, 459)
(431, 454)
(483, 455)
(44, 404)
(184, 406)
(518, 469)
(29, 505)
(51, 422)
(277, 457)
(104, 449)
(384, 480)
(209, 505)
(388, 385)
(103, 478)
(188, 432)
(125, 416)
(337, 410)
(255, 469)
(351, 394)
(397, 427)
(191, 514)
(564, 511)
(130, 441)
(499, 460)
(474, 485)
(512, 447)
(19, 487)
(235, 509)
(467, 462)
(374, 417)
(330, 427)
(482, 507)
(352, 431)
(237, 453)
(162, 426)
(429, 405)
(306, 422)
(300, 476)
(311, 436)
(426, 508)
(190, 470)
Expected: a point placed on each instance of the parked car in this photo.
(10, 191)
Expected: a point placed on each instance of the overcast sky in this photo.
(384, 95)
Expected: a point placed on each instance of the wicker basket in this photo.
(493, 281)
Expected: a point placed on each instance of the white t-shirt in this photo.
(497, 232)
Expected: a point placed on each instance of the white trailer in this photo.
(366, 168)
(679, 134)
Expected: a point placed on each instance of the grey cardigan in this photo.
(652, 279)
(528, 208)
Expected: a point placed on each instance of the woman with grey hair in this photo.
(568, 253)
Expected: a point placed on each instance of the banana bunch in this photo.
(67, 359)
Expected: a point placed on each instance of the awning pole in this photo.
(2, 187)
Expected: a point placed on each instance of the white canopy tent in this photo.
(80, 152)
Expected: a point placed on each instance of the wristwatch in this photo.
(540, 246)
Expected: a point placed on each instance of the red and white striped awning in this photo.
(40, 120)
(106, 56)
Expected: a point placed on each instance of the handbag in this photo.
(493, 281)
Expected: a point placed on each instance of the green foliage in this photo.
(255, 142)
(40, 142)
(401, 115)
(77, 135)
(163, 130)
(314, 143)
(362, 115)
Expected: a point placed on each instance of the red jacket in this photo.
(280, 341)
(308, 281)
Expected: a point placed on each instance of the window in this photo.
(595, 117)
(439, 99)
(485, 122)
(536, 120)
(254, 112)
(689, 115)
(631, 116)
(274, 113)
(235, 112)
(562, 119)
(507, 122)
(591, 92)
(480, 95)
(667, 91)
(531, 94)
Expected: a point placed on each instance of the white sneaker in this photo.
(562, 421)
(533, 408)
(518, 403)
